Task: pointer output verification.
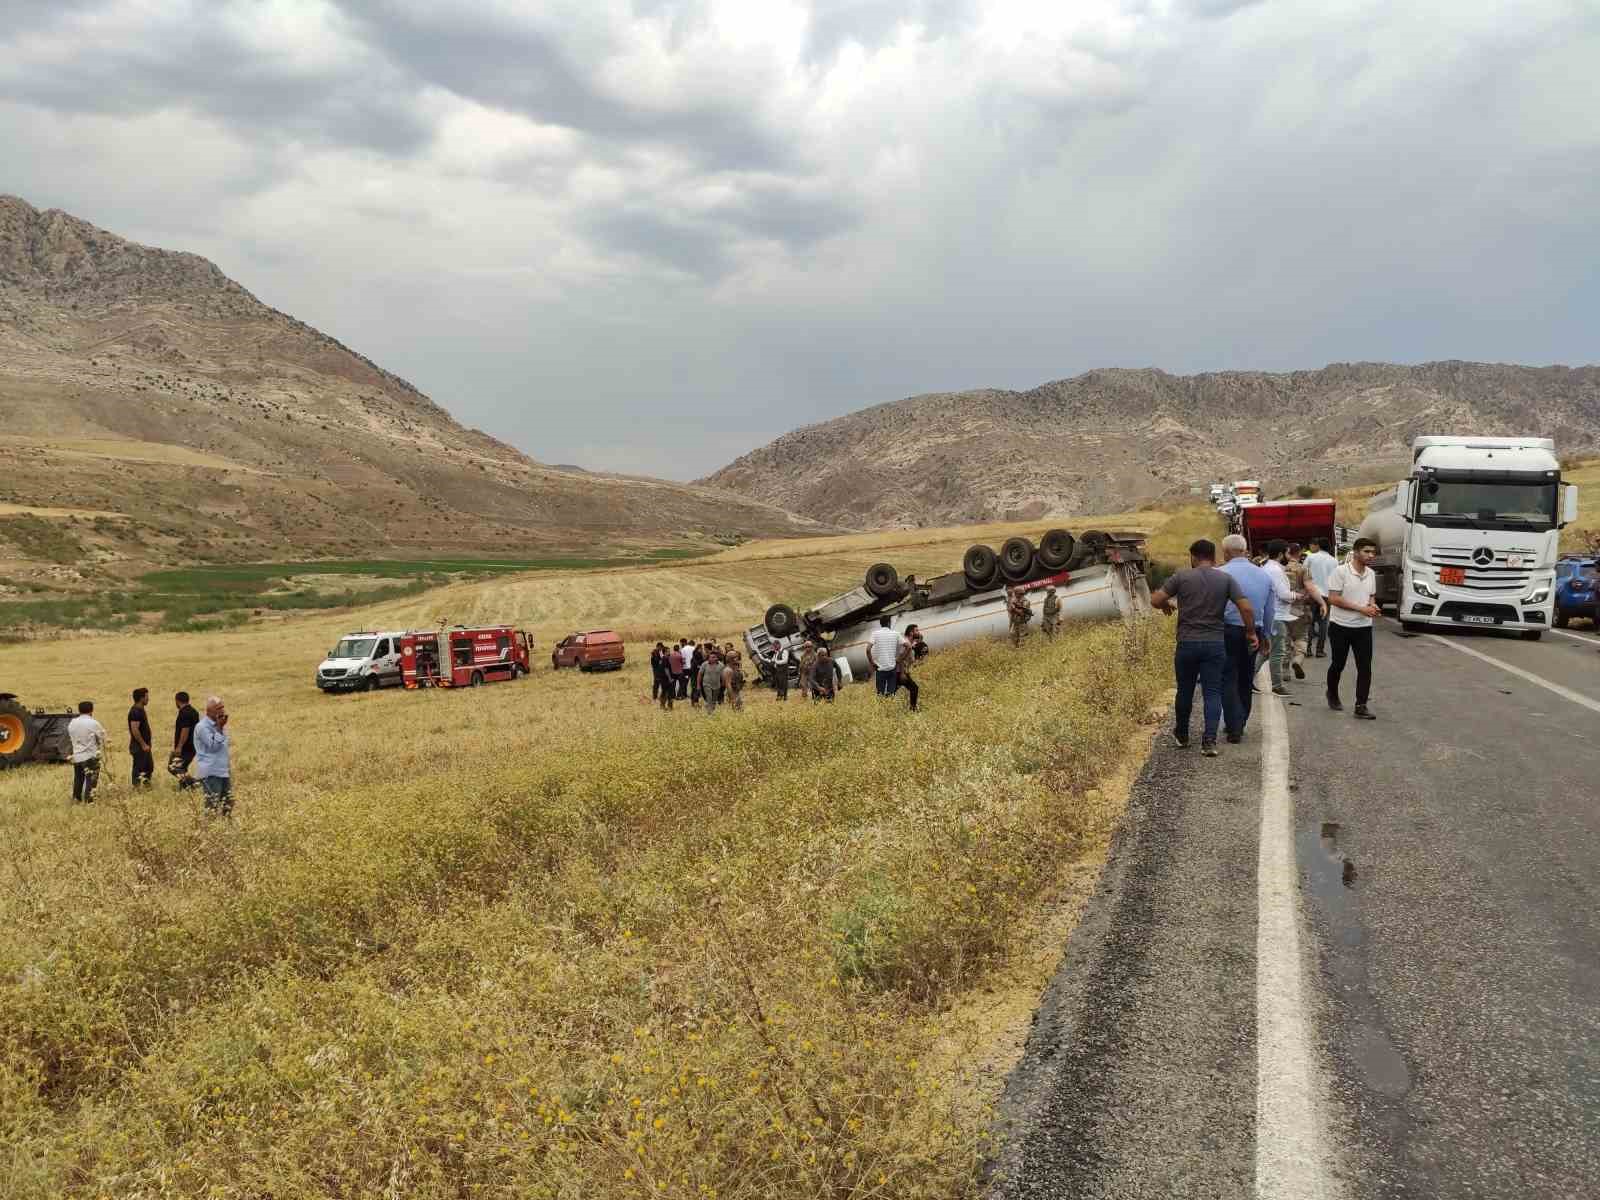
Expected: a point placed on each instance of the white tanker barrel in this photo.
(1384, 525)
(1096, 593)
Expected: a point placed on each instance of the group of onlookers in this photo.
(199, 757)
(1230, 617)
(711, 677)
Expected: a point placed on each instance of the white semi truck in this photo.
(1246, 492)
(1472, 536)
(1096, 576)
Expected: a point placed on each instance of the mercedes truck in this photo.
(1472, 535)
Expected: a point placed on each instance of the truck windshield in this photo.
(354, 647)
(1488, 505)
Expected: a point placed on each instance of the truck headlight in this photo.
(1424, 589)
(1537, 596)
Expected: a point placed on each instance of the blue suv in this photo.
(1577, 590)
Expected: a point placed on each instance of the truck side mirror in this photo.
(1569, 503)
(1402, 498)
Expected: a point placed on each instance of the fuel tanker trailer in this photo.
(1098, 576)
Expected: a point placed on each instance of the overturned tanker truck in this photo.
(1096, 576)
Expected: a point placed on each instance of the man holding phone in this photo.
(1351, 589)
(211, 765)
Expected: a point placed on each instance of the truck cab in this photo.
(1472, 536)
(361, 662)
(1246, 492)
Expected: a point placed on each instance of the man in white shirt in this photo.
(1351, 590)
(1320, 565)
(1283, 613)
(883, 652)
(88, 739)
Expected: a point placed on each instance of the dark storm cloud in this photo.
(531, 66)
(698, 248)
(202, 63)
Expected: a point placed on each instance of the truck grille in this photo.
(332, 672)
(1498, 576)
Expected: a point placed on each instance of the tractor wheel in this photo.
(883, 581)
(781, 621)
(1016, 559)
(1055, 549)
(477, 679)
(980, 565)
(16, 734)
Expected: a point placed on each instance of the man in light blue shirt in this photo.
(1320, 565)
(211, 766)
(1238, 685)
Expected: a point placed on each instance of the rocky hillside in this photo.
(1110, 439)
(144, 388)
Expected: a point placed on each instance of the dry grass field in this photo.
(541, 938)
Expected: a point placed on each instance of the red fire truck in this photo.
(461, 657)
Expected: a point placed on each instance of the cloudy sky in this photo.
(648, 235)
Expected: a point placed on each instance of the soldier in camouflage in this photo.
(1052, 614)
(1020, 612)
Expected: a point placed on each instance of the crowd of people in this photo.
(200, 755)
(710, 676)
(1284, 607)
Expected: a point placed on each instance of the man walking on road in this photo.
(1203, 595)
(211, 763)
(1284, 600)
(1242, 635)
(1320, 566)
(88, 739)
(1351, 588)
(144, 759)
(883, 652)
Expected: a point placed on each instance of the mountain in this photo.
(1109, 440)
(146, 391)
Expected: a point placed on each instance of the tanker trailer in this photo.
(1097, 577)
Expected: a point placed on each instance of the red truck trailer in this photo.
(462, 657)
(1291, 520)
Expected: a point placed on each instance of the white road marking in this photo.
(1577, 637)
(1564, 692)
(1292, 1157)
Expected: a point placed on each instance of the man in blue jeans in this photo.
(1203, 594)
(1244, 633)
(883, 652)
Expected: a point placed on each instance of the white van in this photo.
(361, 662)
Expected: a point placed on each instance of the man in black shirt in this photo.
(183, 739)
(144, 763)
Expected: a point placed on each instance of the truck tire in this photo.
(781, 620)
(980, 565)
(16, 734)
(882, 581)
(1055, 548)
(477, 679)
(1562, 620)
(1016, 559)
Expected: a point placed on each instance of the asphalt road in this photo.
(1373, 971)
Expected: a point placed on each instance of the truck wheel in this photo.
(16, 734)
(781, 621)
(1016, 559)
(477, 679)
(980, 565)
(1055, 548)
(1562, 620)
(1532, 635)
(882, 581)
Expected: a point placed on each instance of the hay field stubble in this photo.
(542, 939)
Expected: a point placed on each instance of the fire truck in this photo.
(462, 657)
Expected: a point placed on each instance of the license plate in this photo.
(1474, 619)
(1452, 576)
